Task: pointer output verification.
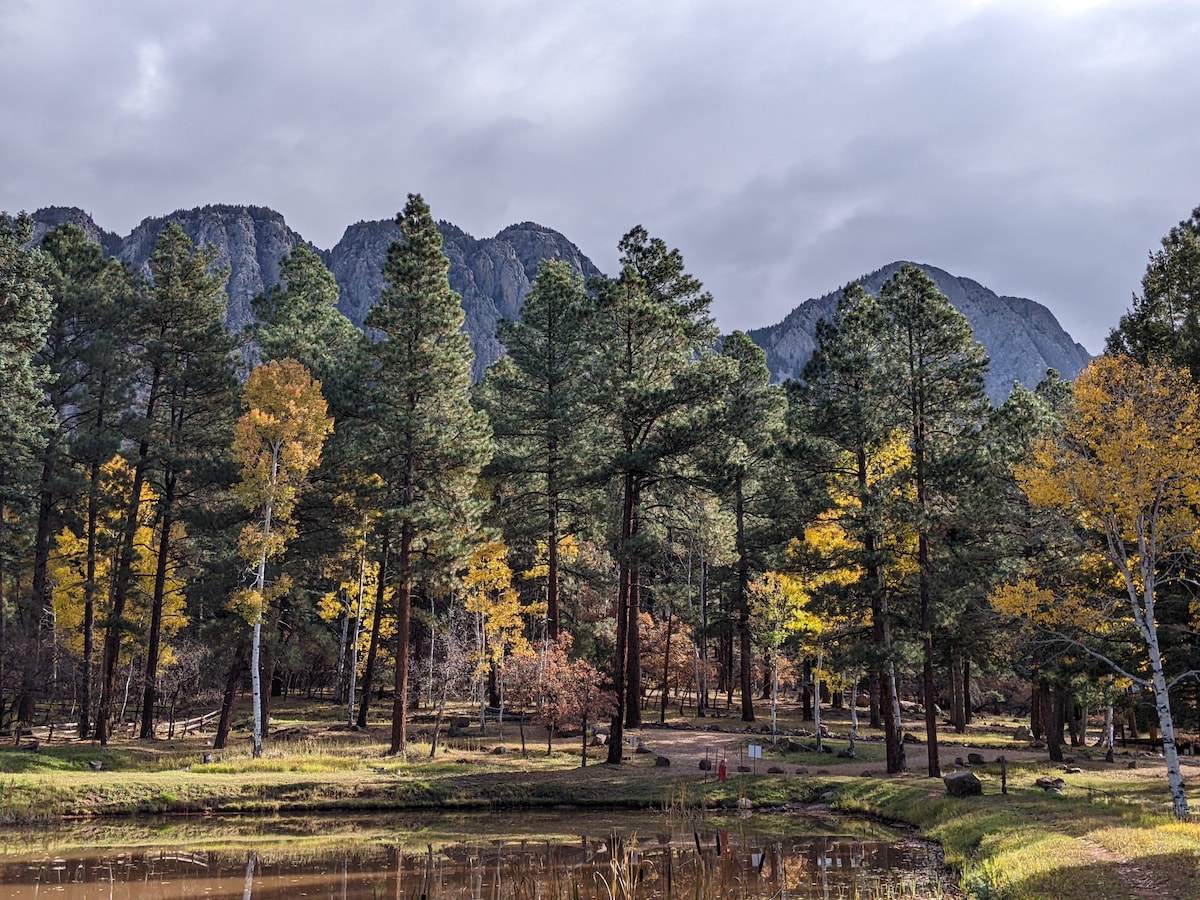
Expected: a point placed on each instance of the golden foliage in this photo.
(67, 568)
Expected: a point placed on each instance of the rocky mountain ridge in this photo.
(1022, 337)
(493, 276)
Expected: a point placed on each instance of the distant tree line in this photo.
(625, 512)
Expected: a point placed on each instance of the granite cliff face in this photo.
(51, 217)
(251, 240)
(493, 276)
(1023, 338)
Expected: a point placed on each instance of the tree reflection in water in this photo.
(612, 867)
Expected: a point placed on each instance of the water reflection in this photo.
(716, 864)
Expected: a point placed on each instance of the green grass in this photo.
(1078, 846)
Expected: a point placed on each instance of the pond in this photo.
(572, 855)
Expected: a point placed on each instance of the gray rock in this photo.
(493, 275)
(1022, 733)
(1022, 337)
(962, 784)
(976, 759)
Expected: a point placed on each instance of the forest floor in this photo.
(1108, 834)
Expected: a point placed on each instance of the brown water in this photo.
(701, 861)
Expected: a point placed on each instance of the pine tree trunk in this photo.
(966, 690)
(1055, 707)
(403, 625)
(633, 657)
(225, 722)
(89, 603)
(368, 681)
(552, 614)
(1037, 704)
(616, 734)
(120, 592)
(154, 637)
(956, 692)
(743, 589)
(124, 575)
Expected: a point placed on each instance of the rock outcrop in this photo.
(494, 274)
(1023, 338)
(250, 240)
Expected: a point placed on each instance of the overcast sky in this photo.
(785, 146)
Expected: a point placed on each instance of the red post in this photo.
(722, 770)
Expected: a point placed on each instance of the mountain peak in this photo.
(1022, 337)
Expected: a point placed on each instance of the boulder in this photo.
(661, 762)
(975, 759)
(776, 770)
(706, 765)
(962, 784)
(1051, 785)
(1022, 733)
(910, 738)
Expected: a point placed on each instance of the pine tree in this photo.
(185, 370)
(426, 441)
(654, 382)
(940, 390)
(25, 311)
(845, 401)
(533, 400)
(88, 391)
(1164, 322)
(750, 426)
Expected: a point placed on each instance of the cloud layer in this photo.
(1040, 148)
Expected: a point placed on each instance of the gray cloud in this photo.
(1041, 148)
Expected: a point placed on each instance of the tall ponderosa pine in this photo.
(654, 382)
(196, 411)
(88, 392)
(750, 425)
(845, 400)
(427, 442)
(533, 400)
(940, 390)
(187, 390)
(1164, 323)
(25, 309)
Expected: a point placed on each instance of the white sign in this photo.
(754, 751)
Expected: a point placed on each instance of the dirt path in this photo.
(1138, 880)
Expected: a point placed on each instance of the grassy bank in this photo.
(1108, 835)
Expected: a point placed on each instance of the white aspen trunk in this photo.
(260, 583)
(1166, 724)
(352, 684)
(255, 656)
